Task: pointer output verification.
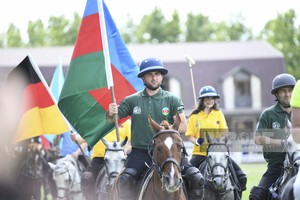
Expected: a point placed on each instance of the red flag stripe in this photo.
(89, 37)
(122, 88)
(36, 95)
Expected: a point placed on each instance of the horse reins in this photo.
(159, 167)
(211, 168)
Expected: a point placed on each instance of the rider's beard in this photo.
(284, 102)
(151, 87)
(285, 105)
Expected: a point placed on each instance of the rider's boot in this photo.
(127, 182)
(242, 176)
(87, 185)
(194, 182)
(258, 193)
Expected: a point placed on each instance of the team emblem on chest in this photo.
(165, 111)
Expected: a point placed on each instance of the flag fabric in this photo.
(85, 96)
(35, 110)
(57, 81)
(55, 88)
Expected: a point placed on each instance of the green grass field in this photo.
(254, 172)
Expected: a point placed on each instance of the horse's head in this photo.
(292, 149)
(217, 162)
(114, 158)
(66, 176)
(167, 152)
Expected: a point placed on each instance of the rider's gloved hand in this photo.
(199, 141)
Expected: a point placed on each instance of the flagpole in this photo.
(85, 156)
(60, 69)
(109, 77)
(115, 115)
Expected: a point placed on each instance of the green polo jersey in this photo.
(295, 100)
(272, 124)
(161, 106)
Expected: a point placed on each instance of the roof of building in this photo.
(167, 52)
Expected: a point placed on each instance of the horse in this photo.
(219, 182)
(163, 180)
(279, 190)
(114, 159)
(66, 174)
(291, 190)
(30, 178)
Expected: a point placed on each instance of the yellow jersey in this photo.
(213, 123)
(295, 100)
(124, 130)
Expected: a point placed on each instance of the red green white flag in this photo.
(100, 59)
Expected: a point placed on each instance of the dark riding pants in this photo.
(271, 175)
(137, 159)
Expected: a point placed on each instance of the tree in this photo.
(2, 40)
(198, 28)
(14, 38)
(128, 32)
(36, 33)
(172, 30)
(72, 31)
(151, 28)
(232, 31)
(58, 29)
(283, 35)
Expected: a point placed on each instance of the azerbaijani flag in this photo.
(100, 60)
(36, 112)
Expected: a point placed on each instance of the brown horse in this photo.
(163, 180)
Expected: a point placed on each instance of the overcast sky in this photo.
(255, 12)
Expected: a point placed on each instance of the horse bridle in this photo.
(211, 168)
(112, 174)
(159, 167)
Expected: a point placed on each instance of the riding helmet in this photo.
(282, 80)
(208, 91)
(150, 65)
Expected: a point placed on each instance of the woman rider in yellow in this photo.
(208, 118)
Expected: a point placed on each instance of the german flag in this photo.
(33, 105)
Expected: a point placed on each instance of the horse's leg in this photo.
(45, 187)
(36, 188)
